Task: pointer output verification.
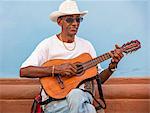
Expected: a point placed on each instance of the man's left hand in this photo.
(116, 55)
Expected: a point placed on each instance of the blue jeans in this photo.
(77, 101)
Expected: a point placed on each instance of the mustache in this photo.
(76, 28)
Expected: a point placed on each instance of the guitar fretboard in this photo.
(95, 61)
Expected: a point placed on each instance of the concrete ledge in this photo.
(123, 95)
(128, 106)
(126, 91)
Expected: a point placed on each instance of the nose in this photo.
(75, 23)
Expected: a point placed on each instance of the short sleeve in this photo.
(38, 56)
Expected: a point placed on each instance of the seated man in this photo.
(66, 45)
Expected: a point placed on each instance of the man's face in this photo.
(70, 24)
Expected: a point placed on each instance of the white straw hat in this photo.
(68, 7)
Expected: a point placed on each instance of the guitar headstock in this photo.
(129, 47)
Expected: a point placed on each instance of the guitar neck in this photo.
(97, 60)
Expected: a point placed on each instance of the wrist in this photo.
(112, 67)
(53, 71)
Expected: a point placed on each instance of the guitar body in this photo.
(51, 85)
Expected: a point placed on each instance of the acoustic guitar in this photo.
(59, 86)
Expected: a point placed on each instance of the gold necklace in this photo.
(66, 46)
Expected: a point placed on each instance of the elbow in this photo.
(22, 74)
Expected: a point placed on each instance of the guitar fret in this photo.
(107, 54)
(103, 57)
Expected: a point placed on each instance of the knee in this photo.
(75, 93)
(75, 96)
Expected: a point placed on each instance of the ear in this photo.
(59, 21)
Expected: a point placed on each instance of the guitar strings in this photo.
(91, 63)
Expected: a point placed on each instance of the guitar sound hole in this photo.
(80, 68)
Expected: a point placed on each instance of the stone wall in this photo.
(123, 95)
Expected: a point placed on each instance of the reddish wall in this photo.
(123, 95)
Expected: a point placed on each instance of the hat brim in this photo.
(56, 14)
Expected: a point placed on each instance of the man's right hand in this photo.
(66, 69)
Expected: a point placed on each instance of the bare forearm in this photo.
(104, 75)
(65, 69)
(35, 72)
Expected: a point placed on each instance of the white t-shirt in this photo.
(53, 48)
